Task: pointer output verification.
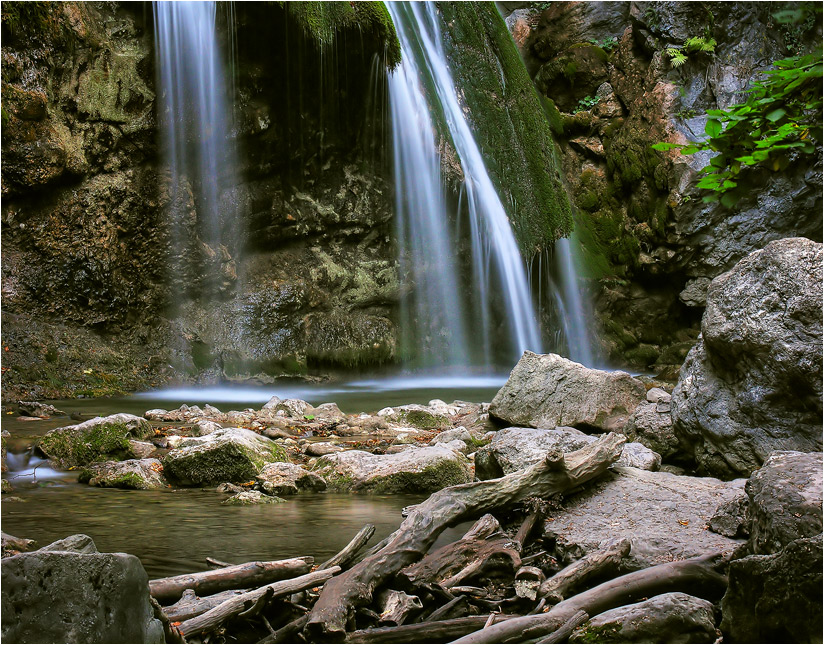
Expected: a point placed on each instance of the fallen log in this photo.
(596, 563)
(190, 605)
(240, 603)
(565, 631)
(455, 608)
(348, 553)
(430, 631)
(526, 528)
(697, 576)
(249, 574)
(16, 543)
(286, 633)
(557, 473)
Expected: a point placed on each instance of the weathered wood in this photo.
(565, 631)
(396, 606)
(697, 576)
(455, 608)
(492, 556)
(170, 633)
(248, 574)
(233, 606)
(450, 506)
(603, 560)
(286, 633)
(217, 564)
(527, 582)
(348, 553)
(16, 543)
(190, 605)
(526, 528)
(430, 631)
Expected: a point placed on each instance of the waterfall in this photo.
(493, 305)
(576, 316)
(195, 117)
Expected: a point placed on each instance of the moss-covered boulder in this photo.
(228, 455)
(251, 498)
(415, 470)
(98, 439)
(135, 474)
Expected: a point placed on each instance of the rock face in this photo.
(514, 449)
(97, 439)
(227, 455)
(137, 474)
(71, 597)
(753, 383)
(418, 470)
(664, 515)
(547, 390)
(667, 618)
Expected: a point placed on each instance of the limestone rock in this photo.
(230, 454)
(321, 448)
(753, 383)
(668, 618)
(547, 390)
(651, 425)
(283, 478)
(78, 543)
(250, 498)
(64, 597)
(731, 517)
(94, 440)
(418, 470)
(137, 474)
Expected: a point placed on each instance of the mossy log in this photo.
(557, 473)
(697, 576)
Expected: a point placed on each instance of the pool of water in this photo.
(174, 531)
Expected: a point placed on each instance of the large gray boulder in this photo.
(513, 449)
(547, 390)
(227, 455)
(76, 597)
(669, 618)
(415, 470)
(663, 515)
(753, 383)
(97, 439)
(651, 425)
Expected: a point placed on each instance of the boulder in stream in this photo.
(98, 439)
(227, 455)
(547, 391)
(135, 474)
(39, 410)
(415, 470)
(284, 478)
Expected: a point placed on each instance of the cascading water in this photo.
(440, 308)
(576, 315)
(195, 118)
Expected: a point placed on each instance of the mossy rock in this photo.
(252, 498)
(5, 486)
(423, 419)
(133, 474)
(643, 355)
(100, 439)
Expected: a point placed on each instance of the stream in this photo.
(174, 531)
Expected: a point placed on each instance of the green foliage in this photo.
(693, 44)
(796, 20)
(686, 113)
(781, 116)
(607, 44)
(585, 104)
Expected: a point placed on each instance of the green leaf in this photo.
(663, 146)
(690, 150)
(713, 128)
(709, 199)
(730, 199)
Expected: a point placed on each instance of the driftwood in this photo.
(170, 633)
(396, 606)
(214, 563)
(697, 576)
(565, 631)
(596, 563)
(286, 633)
(16, 543)
(348, 553)
(528, 525)
(455, 608)
(430, 631)
(243, 602)
(557, 473)
(190, 605)
(527, 582)
(248, 574)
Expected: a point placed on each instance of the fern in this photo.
(677, 57)
(700, 44)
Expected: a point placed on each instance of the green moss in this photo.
(644, 355)
(512, 130)
(71, 447)
(553, 115)
(423, 419)
(604, 634)
(5, 486)
(211, 465)
(131, 481)
(430, 479)
(323, 20)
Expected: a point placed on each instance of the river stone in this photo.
(321, 448)
(651, 425)
(447, 436)
(78, 543)
(425, 417)
(284, 478)
(668, 618)
(136, 474)
(293, 408)
(785, 500)
(205, 426)
(753, 383)
(250, 498)
(64, 597)
(547, 391)
(229, 454)
(776, 598)
(37, 409)
(97, 439)
(664, 515)
(415, 470)
(513, 449)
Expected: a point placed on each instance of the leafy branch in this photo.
(782, 116)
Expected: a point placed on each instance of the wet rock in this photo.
(434, 416)
(785, 500)
(288, 479)
(664, 515)
(446, 436)
(293, 408)
(97, 439)
(142, 449)
(328, 412)
(546, 390)
(513, 449)
(251, 497)
(420, 470)
(668, 618)
(78, 543)
(136, 474)
(40, 410)
(753, 382)
(230, 454)
(730, 518)
(205, 426)
(321, 448)
(776, 598)
(64, 597)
